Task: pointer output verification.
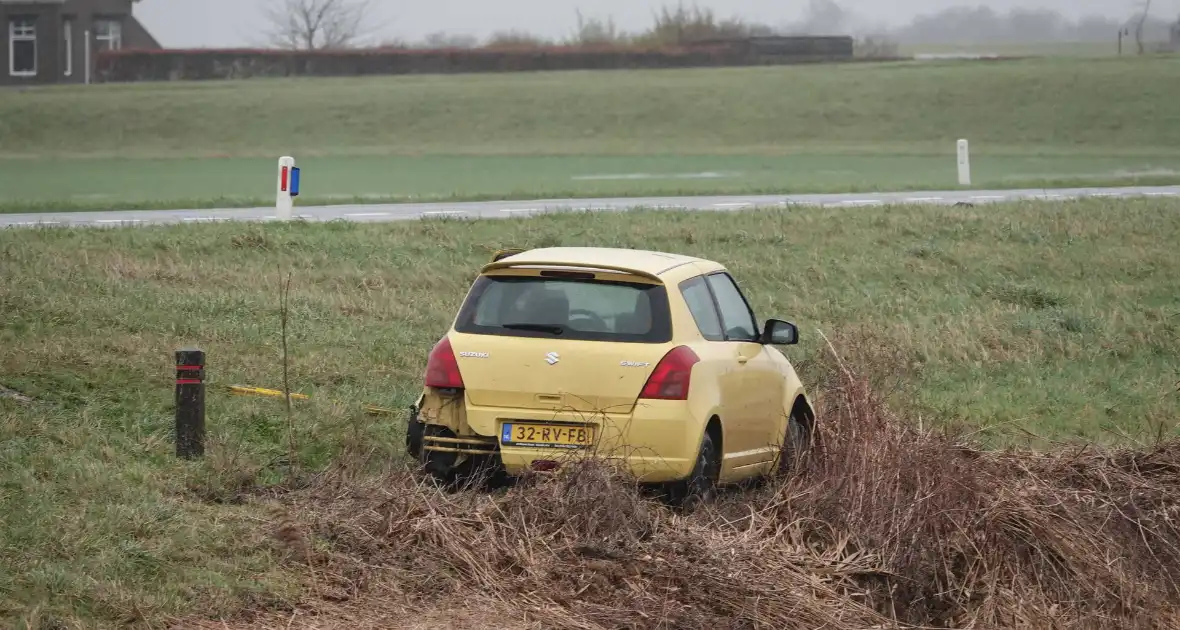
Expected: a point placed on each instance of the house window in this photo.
(22, 47)
(67, 29)
(109, 34)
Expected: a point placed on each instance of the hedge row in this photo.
(174, 65)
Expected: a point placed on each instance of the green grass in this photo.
(245, 182)
(851, 127)
(1059, 320)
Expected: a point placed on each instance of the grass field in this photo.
(1027, 322)
(830, 128)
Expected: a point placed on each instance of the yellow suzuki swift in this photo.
(647, 359)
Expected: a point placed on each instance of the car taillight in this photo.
(670, 379)
(442, 370)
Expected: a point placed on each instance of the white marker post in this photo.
(964, 164)
(288, 188)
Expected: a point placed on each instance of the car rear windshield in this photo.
(566, 308)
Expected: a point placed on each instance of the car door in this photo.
(751, 393)
(722, 355)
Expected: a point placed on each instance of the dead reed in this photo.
(884, 525)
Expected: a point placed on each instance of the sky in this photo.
(204, 23)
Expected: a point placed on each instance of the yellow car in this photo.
(647, 359)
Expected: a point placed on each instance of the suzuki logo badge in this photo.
(552, 358)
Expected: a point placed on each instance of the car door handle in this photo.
(742, 359)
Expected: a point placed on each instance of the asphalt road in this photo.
(503, 209)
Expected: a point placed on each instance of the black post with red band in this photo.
(190, 403)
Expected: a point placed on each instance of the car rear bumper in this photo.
(657, 442)
(647, 469)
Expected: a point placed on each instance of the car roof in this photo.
(651, 263)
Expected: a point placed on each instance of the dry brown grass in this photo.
(884, 525)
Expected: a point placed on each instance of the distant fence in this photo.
(200, 64)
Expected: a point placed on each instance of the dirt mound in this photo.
(883, 525)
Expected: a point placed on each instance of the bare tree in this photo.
(318, 24)
(1139, 25)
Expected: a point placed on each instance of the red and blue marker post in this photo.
(288, 188)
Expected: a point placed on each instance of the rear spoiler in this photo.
(547, 264)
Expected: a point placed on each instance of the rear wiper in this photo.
(552, 329)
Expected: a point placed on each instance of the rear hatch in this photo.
(583, 341)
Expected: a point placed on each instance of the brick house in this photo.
(44, 41)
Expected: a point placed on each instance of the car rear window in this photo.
(566, 308)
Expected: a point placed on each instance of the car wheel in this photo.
(701, 484)
(796, 444)
(439, 466)
(414, 431)
(458, 471)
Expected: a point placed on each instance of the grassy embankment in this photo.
(1054, 321)
(827, 128)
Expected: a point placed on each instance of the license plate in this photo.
(546, 435)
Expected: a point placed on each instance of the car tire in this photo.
(455, 471)
(439, 466)
(796, 443)
(414, 432)
(701, 484)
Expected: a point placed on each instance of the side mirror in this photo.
(780, 333)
